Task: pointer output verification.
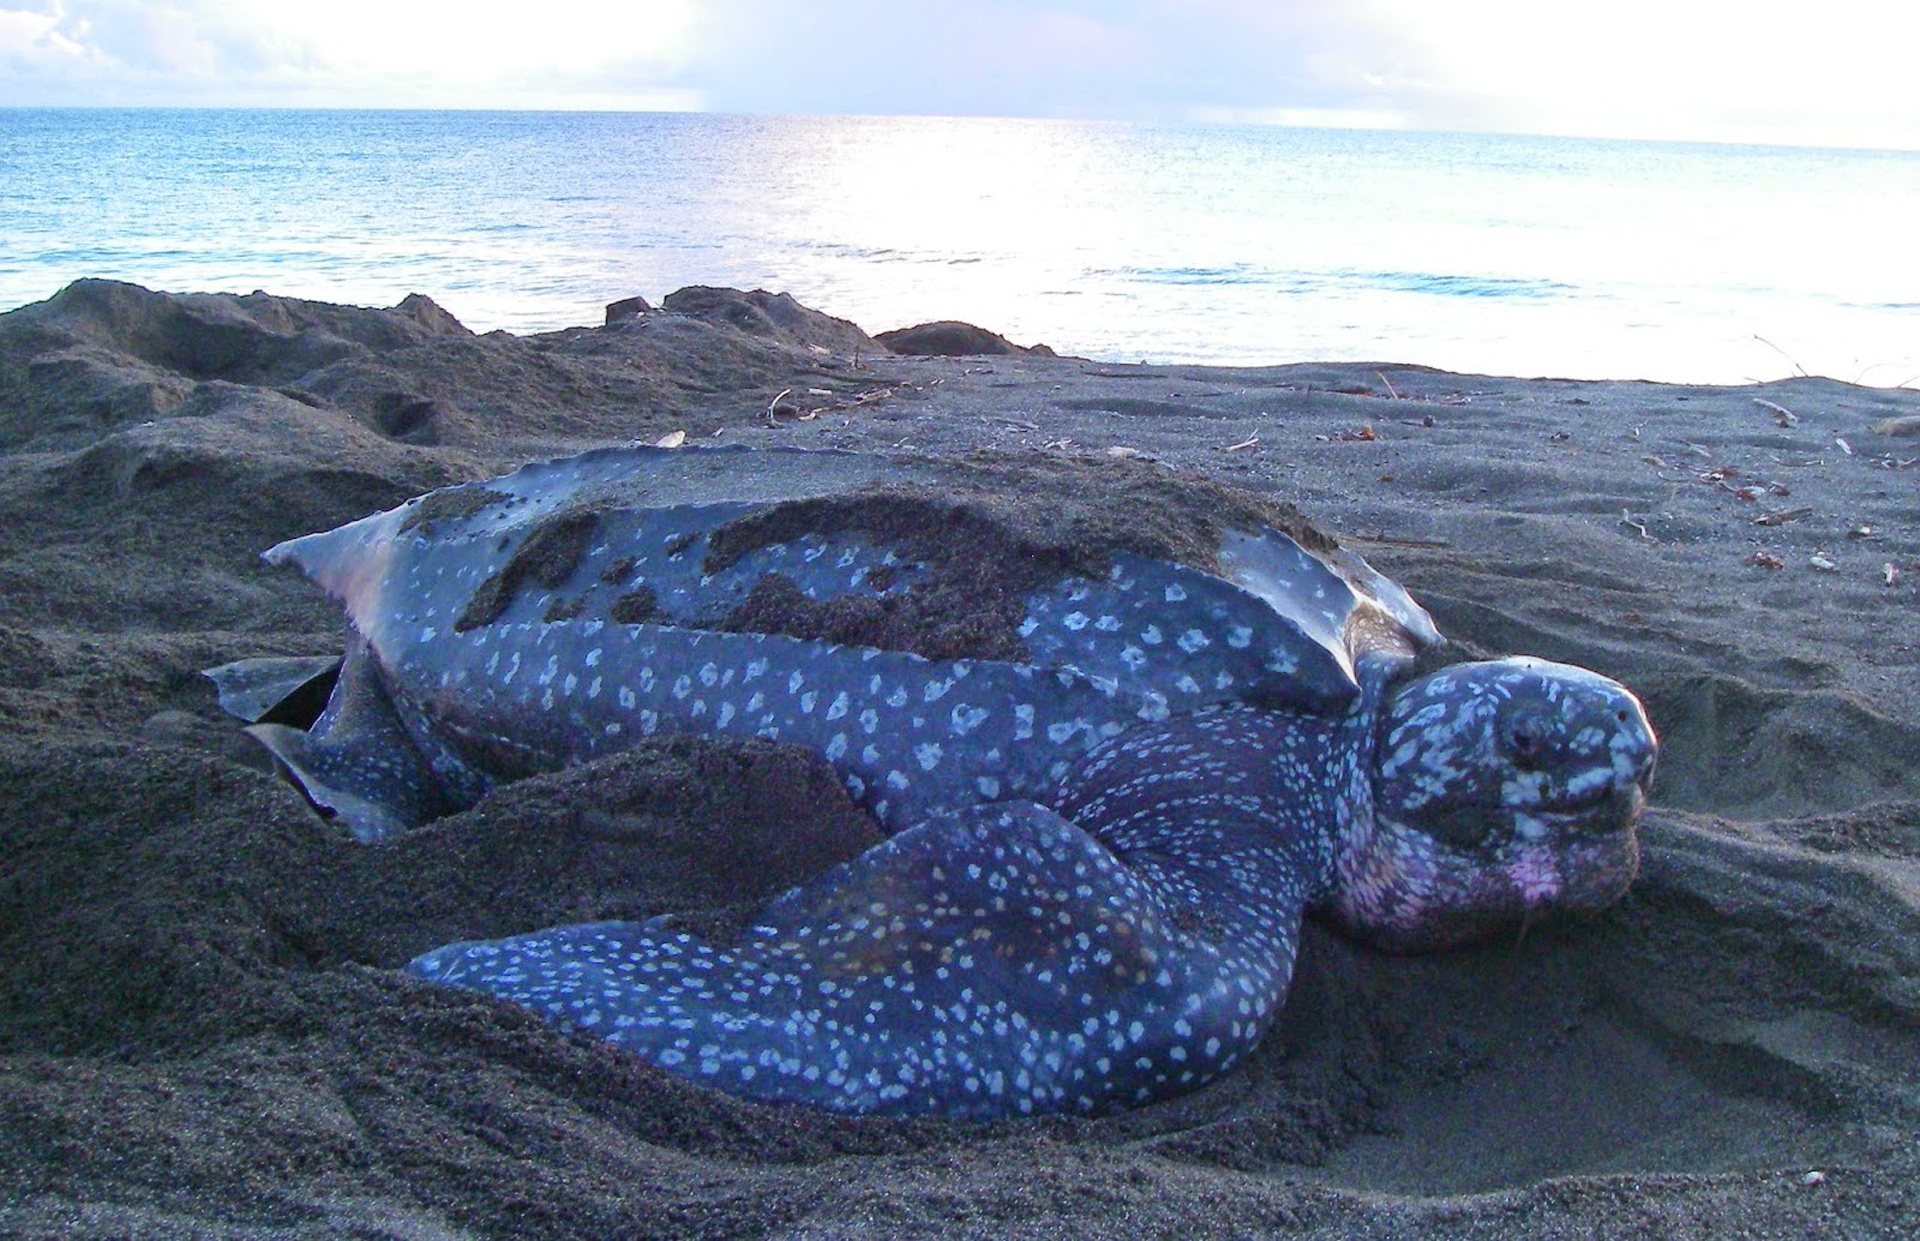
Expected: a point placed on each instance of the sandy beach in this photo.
(204, 1030)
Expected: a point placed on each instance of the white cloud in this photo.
(449, 53)
(30, 35)
(1126, 58)
(1747, 70)
(1751, 70)
(1706, 69)
(464, 40)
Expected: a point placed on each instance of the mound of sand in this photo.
(203, 1030)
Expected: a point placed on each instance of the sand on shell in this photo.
(203, 1031)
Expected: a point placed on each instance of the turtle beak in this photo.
(1638, 750)
(1635, 751)
(1612, 775)
(1625, 805)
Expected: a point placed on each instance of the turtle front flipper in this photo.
(358, 762)
(990, 963)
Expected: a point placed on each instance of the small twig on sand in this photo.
(1395, 541)
(1781, 414)
(844, 403)
(1018, 424)
(1797, 368)
(1626, 519)
(1252, 441)
(1390, 388)
(774, 405)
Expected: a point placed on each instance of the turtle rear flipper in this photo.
(357, 763)
(984, 964)
(289, 690)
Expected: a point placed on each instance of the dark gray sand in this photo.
(203, 1031)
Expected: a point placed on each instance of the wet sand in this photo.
(203, 1030)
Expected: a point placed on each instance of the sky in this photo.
(1838, 73)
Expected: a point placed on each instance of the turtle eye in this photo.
(1526, 740)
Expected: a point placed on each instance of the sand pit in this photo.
(203, 1030)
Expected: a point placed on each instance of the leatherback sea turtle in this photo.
(1124, 730)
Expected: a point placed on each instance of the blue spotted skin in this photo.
(999, 962)
(1133, 938)
(1099, 859)
(910, 736)
(523, 693)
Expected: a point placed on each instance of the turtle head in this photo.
(1502, 790)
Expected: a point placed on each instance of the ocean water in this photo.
(1508, 255)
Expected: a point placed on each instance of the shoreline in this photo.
(206, 1026)
(1552, 258)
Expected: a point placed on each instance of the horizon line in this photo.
(1200, 118)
